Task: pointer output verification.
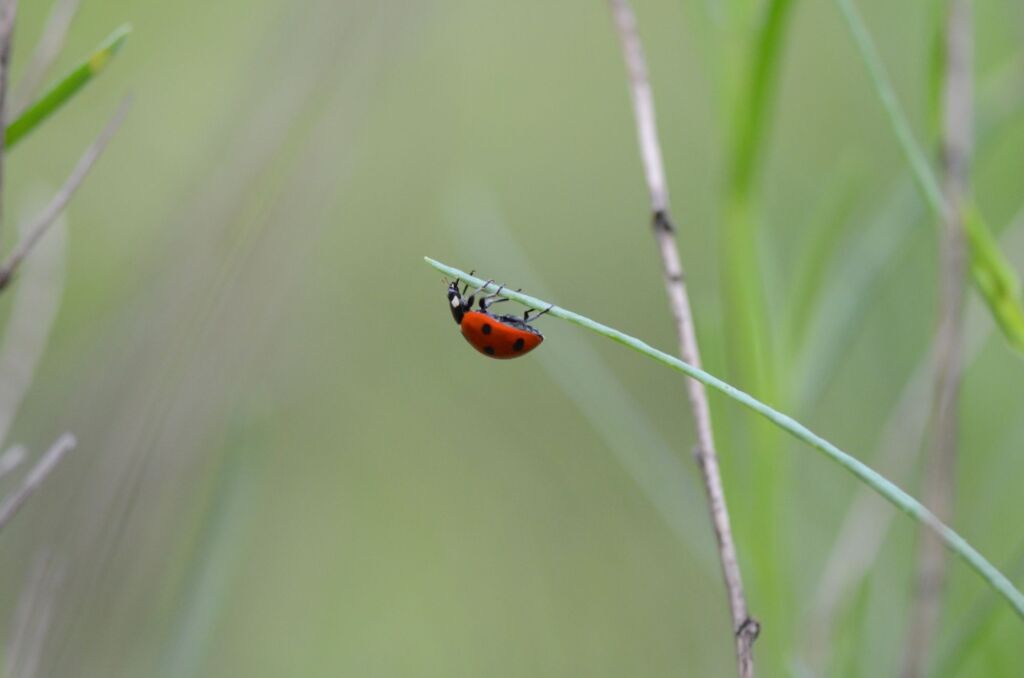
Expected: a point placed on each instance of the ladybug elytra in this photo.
(496, 336)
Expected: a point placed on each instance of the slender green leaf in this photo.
(886, 488)
(749, 345)
(915, 157)
(974, 625)
(994, 277)
(826, 231)
(61, 93)
(755, 101)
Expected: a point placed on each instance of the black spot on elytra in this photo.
(486, 329)
(518, 346)
(489, 350)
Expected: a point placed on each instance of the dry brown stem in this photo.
(744, 628)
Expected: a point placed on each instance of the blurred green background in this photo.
(289, 462)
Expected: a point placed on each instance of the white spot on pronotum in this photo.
(456, 302)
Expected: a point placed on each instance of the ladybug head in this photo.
(456, 303)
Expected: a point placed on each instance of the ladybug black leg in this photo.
(477, 290)
(495, 298)
(472, 295)
(487, 302)
(527, 318)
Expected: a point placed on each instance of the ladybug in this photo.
(496, 336)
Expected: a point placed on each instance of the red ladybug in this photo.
(496, 336)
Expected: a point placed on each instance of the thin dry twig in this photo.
(745, 628)
(957, 145)
(37, 228)
(49, 46)
(13, 502)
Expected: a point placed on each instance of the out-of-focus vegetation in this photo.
(24, 121)
(289, 462)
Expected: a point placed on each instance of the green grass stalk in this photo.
(920, 168)
(749, 333)
(991, 272)
(887, 489)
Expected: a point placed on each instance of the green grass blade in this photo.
(973, 626)
(924, 177)
(61, 93)
(994, 277)
(755, 102)
(896, 496)
(753, 358)
(826, 229)
(857, 271)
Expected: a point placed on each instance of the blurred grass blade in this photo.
(855, 270)
(754, 105)
(826, 229)
(751, 343)
(215, 556)
(994, 277)
(13, 502)
(915, 157)
(882, 485)
(47, 48)
(973, 627)
(936, 68)
(867, 522)
(33, 312)
(70, 85)
(992, 274)
(35, 230)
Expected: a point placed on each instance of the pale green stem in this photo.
(862, 471)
